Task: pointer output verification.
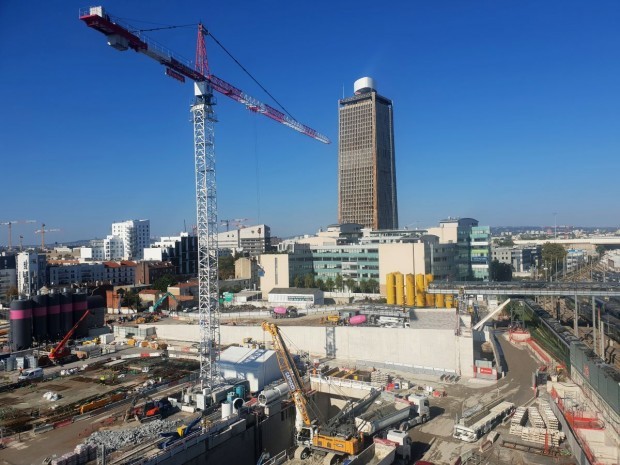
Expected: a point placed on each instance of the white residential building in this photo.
(30, 272)
(252, 239)
(110, 248)
(135, 235)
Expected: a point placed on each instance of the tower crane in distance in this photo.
(43, 231)
(235, 222)
(9, 225)
(124, 37)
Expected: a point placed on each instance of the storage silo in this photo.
(419, 299)
(79, 307)
(400, 288)
(449, 300)
(419, 283)
(96, 306)
(428, 278)
(20, 316)
(390, 288)
(39, 317)
(430, 300)
(410, 289)
(53, 316)
(439, 301)
(66, 311)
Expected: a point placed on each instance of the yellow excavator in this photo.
(339, 436)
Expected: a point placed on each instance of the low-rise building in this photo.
(295, 296)
(147, 271)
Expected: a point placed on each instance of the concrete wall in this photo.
(433, 348)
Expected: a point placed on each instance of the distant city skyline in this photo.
(507, 112)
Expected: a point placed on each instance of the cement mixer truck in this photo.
(283, 312)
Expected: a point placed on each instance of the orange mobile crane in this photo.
(61, 353)
(336, 438)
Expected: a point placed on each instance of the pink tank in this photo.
(280, 310)
(357, 320)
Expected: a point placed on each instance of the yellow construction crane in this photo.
(42, 231)
(310, 437)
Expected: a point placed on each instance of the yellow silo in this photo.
(449, 300)
(400, 288)
(410, 289)
(419, 283)
(430, 300)
(427, 280)
(439, 301)
(390, 290)
(419, 299)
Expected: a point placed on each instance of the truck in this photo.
(392, 321)
(283, 312)
(494, 416)
(390, 410)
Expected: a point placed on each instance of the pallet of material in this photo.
(542, 436)
(534, 417)
(518, 420)
(548, 416)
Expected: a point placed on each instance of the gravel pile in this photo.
(117, 439)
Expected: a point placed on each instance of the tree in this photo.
(600, 250)
(338, 282)
(309, 281)
(226, 267)
(553, 256)
(350, 282)
(320, 284)
(329, 284)
(364, 286)
(298, 281)
(373, 286)
(500, 271)
(163, 282)
(12, 293)
(131, 299)
(505, 242)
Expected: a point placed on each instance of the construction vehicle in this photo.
(337, 438)
(149, 410)
(161, 300)
(181, 432)
(331, 320)
(389, 410)
(61, 353)
(283, 312)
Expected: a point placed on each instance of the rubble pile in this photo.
(117, 439)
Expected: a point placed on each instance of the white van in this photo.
(31, 374)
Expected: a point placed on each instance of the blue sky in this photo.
(504, 111)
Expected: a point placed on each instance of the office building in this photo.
(8, 275)
(366, 163)
(31, 272)
(249, 240)
(181, 251)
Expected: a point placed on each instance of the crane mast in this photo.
(124, 37)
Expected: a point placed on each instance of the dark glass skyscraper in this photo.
(366, 164)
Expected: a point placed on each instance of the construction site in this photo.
(486, 378)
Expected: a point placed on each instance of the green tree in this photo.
(226, 267)
(309, 281)
(131, 299)
(600, 250)
(298, 281)
(329, 284)
(350, 282)
(505, 241)
(500, 271)
(373, 286)
(364, 286)
(320, 284)
(338, 282)
(162, 283)
(553, 256)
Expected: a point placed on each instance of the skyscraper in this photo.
(366, 164)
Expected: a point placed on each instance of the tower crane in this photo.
(123, 37)
(9, 225)
(234, 222)
(43, 231)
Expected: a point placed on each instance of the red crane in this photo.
(58, 353)
(121, 38)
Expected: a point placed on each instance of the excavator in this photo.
(334, 439)
(162, 300)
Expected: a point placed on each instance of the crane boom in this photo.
(121, 37)
(59, 351)
(289, 371)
